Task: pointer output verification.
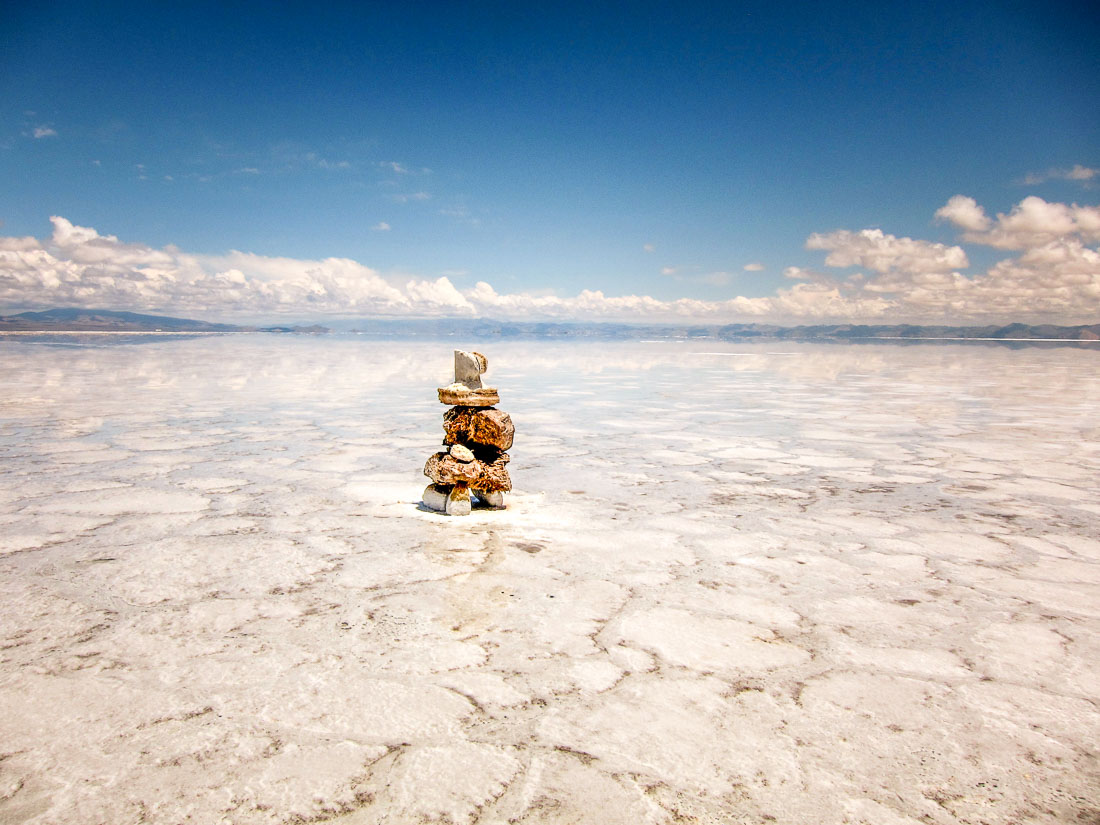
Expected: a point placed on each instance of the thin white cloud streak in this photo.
(313, 159)
(753, 267)
(1056, 279)
(1078, 173)
(44, 132)
(410, 197)
(381, 226)
(399, 168)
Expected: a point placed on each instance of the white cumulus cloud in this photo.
(1032, 223)
(965, 213)
(1055, 279)
(874, 249)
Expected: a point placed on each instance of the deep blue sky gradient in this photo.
(554, 143)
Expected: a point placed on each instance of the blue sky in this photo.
(649, 152)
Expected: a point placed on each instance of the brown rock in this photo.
(490, 428)
(479, 475)
(494, 476)
(443, 468)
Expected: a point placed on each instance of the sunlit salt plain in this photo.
(772, 582)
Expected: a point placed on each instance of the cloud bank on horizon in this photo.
(1054, 277)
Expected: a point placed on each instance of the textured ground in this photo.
(736, 584)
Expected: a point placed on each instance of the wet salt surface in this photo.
(743, 583)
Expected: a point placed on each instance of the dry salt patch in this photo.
(213, 484)
(750, 453)
(128, 500)
(23, 532)
(688, 733)
(442, 783)
(1075, 599)
(1025, 488)
(68, 446)
(85, 457)
(1032, 650)
(708, 643)
(735, 600)
(928, 664)
(673, 458)
(484, 688)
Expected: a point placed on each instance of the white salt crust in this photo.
(735, 583)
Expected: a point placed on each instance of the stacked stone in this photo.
(472, 471)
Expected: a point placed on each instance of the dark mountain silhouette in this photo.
(103, 320)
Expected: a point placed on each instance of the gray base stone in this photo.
(458, 502)
(443, 498)
(435, 497)
(493, 500)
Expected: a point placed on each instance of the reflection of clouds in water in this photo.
(229, 372)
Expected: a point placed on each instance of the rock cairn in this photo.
(472, 470)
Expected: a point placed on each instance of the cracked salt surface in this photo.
(745, 583)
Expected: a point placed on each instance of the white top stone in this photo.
(468, 368)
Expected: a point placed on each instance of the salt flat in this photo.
(744, 583)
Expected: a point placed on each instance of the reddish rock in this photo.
(490, 428)
(443, 468)
(494, 476)
(479, 475)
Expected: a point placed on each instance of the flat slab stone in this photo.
(461, 395)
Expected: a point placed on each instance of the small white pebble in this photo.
(461, 453)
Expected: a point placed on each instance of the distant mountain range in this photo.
(485, 328)
(102, 320)
(106, 320)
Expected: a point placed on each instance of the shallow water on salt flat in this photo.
(735, 583)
